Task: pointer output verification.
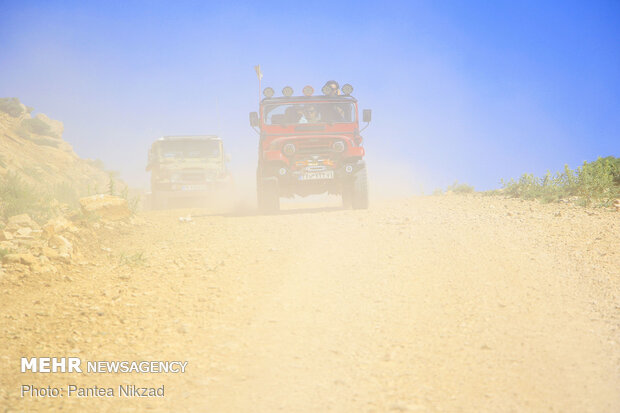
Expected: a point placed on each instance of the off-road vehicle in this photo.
(310, 145)
(187, 170)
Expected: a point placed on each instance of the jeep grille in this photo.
(314, 147)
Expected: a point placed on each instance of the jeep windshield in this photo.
(189, 149)
(309, 112)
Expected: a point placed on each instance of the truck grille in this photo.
(193, 177)
(314, 147)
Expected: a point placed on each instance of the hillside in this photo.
(32, 148)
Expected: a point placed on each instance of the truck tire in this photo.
(359, 190)
(347, 194)
(158, 201)
(268, 196)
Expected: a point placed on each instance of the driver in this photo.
(334, 88)
(311, 114)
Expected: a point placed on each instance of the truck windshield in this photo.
(320, 112)
(189, 149)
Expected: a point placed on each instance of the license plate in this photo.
(193, 187)
(313, 176)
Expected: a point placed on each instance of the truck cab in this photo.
(187, 170)
(310, 144)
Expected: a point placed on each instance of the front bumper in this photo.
(314, 174)
(188, 189)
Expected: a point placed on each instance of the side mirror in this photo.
(367, 115)
(253, 119)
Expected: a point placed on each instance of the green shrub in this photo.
(18, 197)
(595, 181)
(41, 203)
(12, 106)
(133, 199)
(36, 125)
(460, 188)
(599, 180)
(136, 259)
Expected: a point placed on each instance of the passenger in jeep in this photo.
(293, 114)
(332, 113)
(333, 89)
(311, 114)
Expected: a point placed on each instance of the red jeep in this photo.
(310, 145)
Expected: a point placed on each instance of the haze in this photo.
(469, 91)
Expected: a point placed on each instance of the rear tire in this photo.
(268, 196)
(347, 194)
(158, 201)
(359, 190)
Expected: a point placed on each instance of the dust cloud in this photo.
(377, 298)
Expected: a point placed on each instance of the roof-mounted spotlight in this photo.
(308, 90)
(347, 89)
(326, 90)
(268, 92)
(287, 91)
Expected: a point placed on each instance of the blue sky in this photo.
(469, 91)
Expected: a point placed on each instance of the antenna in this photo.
(259, 75)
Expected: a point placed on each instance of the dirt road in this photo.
(429, 304)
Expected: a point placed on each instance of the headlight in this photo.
(338, 146)
(268, 92)
(288, 149)
(347, 89)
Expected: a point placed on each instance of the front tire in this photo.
(158, 201)
(359, 190)
(268, 196)
(347, 194)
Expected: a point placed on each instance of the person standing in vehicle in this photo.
(331, 88)
(332, 112)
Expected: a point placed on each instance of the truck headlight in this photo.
(268, 92)
(338, 146)
(288, 149)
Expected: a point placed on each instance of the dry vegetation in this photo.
(594, 183)
(40, 175)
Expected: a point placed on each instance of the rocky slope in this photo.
(33, 148)
(43, 184)
(27, 248)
